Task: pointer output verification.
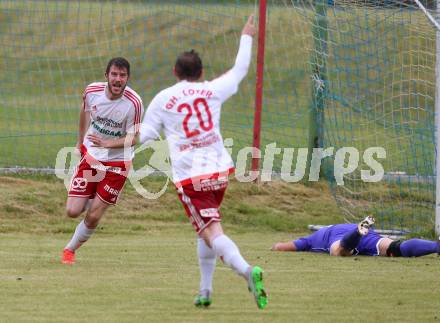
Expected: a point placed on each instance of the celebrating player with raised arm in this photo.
(189, 114)
(111, 112)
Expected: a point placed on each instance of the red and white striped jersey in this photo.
(111, 119)
(189, 115)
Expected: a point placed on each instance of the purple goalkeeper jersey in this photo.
(321, 240)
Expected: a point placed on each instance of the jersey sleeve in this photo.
(302, 244)
(134, 116)
(152, 122)
(227, 85)
(85, 102)
(91, 88)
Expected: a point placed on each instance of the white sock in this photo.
(81, 235)
(228, 251)
(207, 259)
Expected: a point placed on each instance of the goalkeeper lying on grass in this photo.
(358, 239)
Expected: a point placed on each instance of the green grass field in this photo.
(153, 277)
(141, 265)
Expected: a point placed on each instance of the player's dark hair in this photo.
(188, 66)
(119, 62)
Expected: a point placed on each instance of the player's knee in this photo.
(73, 212)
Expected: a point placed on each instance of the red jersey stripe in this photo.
(133, 93)
(99, 86)
(94, 89)
(95, 86)
(91, 89)
(137, 105)
(88, 92)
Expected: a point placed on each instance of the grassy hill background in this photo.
(35, 204)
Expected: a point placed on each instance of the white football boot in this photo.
(365, 224)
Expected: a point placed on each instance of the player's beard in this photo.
(113, 94)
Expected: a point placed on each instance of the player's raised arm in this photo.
(227, 84)
(244, 54)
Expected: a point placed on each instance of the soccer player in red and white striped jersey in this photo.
(111, 112)
(189, 114)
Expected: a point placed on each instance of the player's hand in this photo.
(249, 27)
(97, 141)
(274, 247)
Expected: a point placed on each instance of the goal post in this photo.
(259, 84)
(437, 125)
(318, 80)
